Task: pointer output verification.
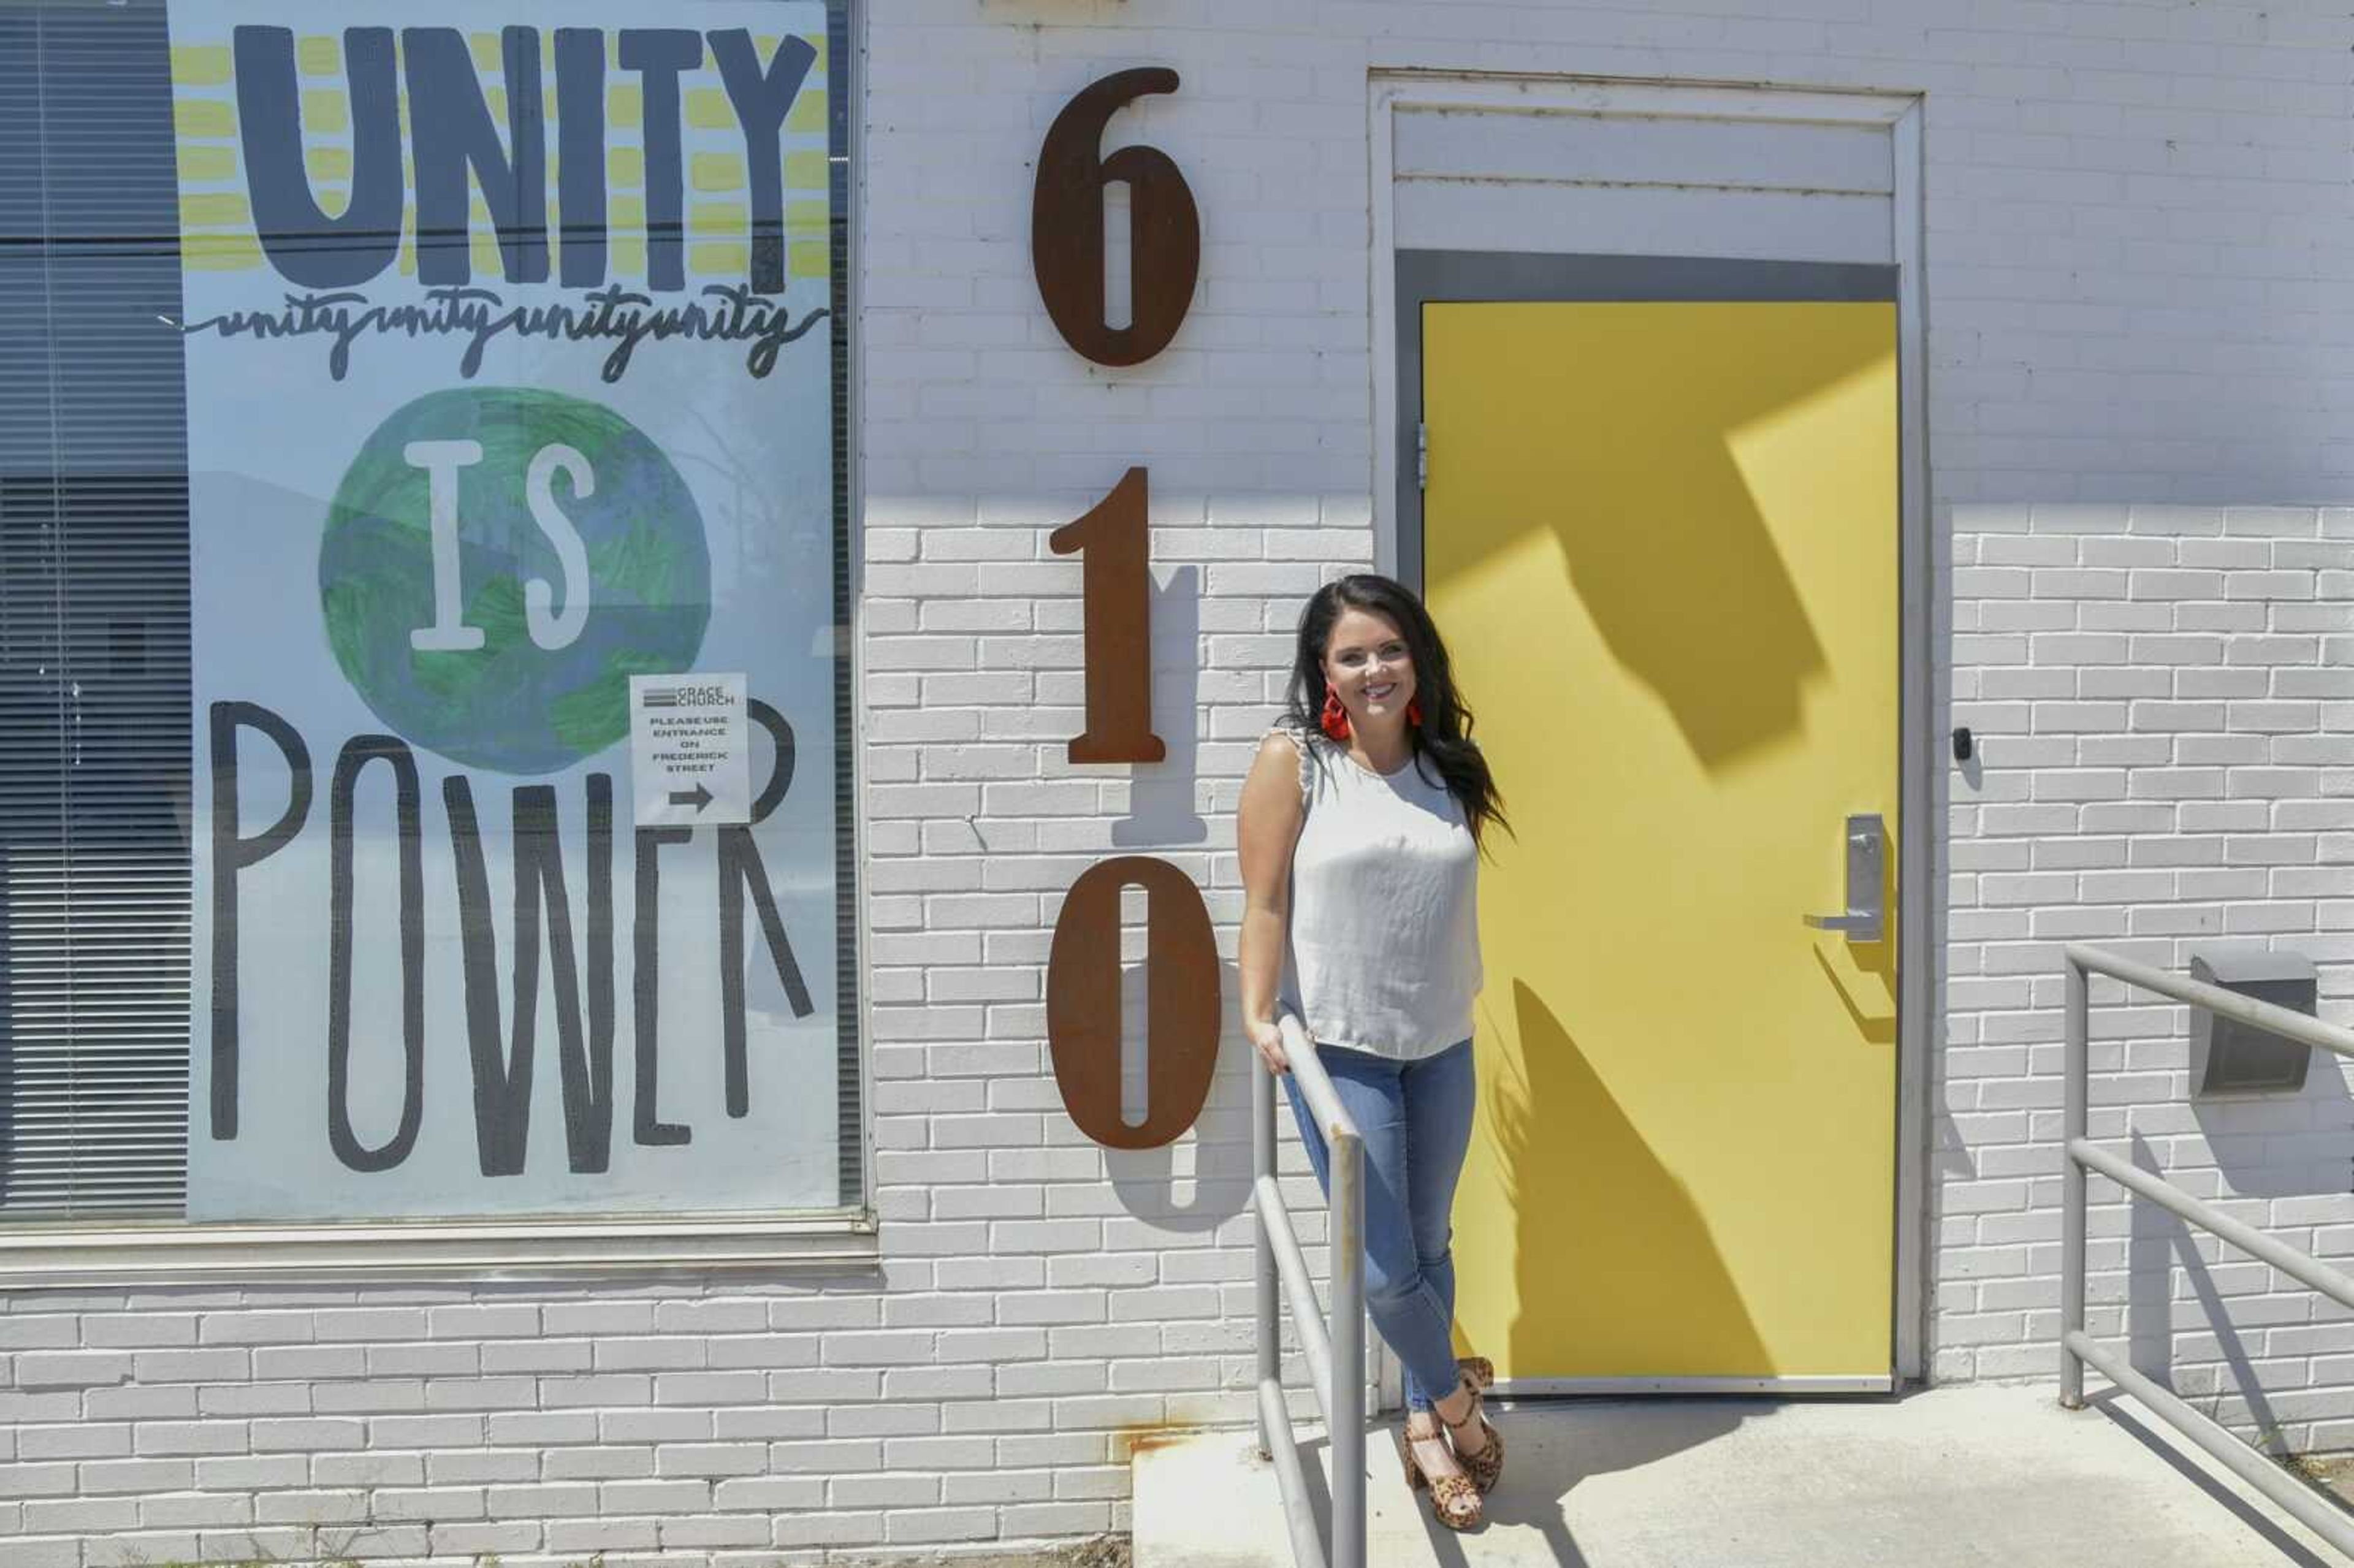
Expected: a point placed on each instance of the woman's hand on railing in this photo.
(1267, 1039)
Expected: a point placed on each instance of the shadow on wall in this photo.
(1160, 798)
(1201, 1180)
(2264, 1147)
(1873, 1017)
(2281, 1145)
(1729, 652)
(1596, 1179)
(2157, 1240)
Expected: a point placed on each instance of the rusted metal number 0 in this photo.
(1066, 226)
(1083, 1011)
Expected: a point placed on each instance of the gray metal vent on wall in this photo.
(2229, 1058)
(94, 723)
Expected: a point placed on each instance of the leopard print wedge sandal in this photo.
(1455, 1500)
(1485, 1468)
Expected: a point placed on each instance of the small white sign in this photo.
(691, 757)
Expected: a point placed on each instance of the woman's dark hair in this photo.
(1444, 733)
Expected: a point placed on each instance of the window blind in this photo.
(94, 693)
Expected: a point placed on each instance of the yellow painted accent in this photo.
(202, 164)
(478, 211)
(729, 217)
(807, 111)
(626, 215)
(1661, 541)
(806, 171)
(719, 258)
(328, 162)
(626, 255)
(219, 252)
(482, 252)
(496, 97)
(200, 65)
(625, 168)
(708, 107)
(409, 255)
(326, 110)
(318, 56)
(716, 172)
(203, 117)
(809, 258)
(217, 210)
(485, 47)
(625, 105)
(807, 217)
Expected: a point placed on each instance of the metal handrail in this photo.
(1335, 1355)
(2076, 1345)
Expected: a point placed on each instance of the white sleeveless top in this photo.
(1383, 954)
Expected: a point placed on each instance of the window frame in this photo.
(88, 1253)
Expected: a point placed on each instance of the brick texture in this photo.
(2162, 695)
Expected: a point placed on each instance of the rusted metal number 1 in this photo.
(1115, 587)
(1184, 1009)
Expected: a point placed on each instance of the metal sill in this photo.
(78, 1256)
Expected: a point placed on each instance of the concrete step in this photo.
(1941, 1478)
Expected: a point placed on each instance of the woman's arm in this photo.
(1267, 827)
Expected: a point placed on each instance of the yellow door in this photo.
(1661, 541)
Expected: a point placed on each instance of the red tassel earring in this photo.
(1335, 718)
(1413, 711)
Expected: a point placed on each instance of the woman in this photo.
(1360, 831)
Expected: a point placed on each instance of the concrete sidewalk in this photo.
(1948, 1477)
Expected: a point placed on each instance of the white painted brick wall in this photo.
(2164, 698)
(2138, 227)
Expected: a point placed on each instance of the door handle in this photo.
(1866, 919)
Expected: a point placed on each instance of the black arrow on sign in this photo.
(697, 796)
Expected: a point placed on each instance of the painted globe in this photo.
(484, 655)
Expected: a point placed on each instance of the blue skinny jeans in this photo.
(1416, 1120)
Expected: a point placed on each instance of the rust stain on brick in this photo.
(1126, 1441)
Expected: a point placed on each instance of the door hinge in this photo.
(1421, 456)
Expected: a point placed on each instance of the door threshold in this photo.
(1572, 1387)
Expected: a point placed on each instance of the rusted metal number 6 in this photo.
(1066, 226)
